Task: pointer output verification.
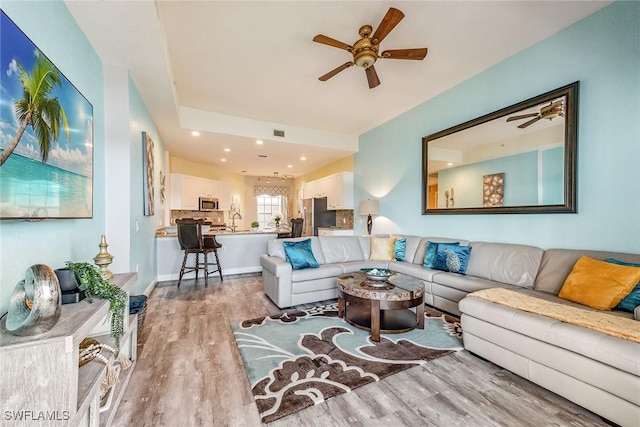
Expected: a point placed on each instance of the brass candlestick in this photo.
(104, 258)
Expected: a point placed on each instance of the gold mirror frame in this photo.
(570, 116)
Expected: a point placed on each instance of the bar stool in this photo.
(193, 242)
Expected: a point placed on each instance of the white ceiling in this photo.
(236, 70)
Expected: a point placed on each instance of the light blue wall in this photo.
(521, 177)
(22, 244)
(143, 241)
(603, 53)
(52, 242)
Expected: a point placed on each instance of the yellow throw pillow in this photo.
(599, 284)
(383, 248)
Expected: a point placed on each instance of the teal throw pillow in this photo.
(401, 246)
(432, 250)
(631, 301)
(453, 258)
(299, 254)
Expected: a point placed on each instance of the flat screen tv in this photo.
(48, 173)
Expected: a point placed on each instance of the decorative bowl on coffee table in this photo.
(377, 274)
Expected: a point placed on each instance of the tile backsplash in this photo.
(344, 218)
(215, 217)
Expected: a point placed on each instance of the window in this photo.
(267, 206)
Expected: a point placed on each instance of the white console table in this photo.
(40, 381)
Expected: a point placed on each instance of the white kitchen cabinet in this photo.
(315, 189)
(335, 231)
(339, 189)
(223, 194)
(186, 191)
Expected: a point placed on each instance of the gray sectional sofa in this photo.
(598, 371)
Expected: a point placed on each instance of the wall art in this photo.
(147, 168)
(46, 135)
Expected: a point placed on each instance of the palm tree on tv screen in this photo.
(37, 109)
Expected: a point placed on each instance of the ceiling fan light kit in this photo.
(365, 50)
(549, 112)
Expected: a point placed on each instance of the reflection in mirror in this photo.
(520, 159)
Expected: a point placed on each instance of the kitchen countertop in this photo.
(240, 253)
(236, 233)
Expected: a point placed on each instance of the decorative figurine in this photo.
(104, 258)
(35, 304)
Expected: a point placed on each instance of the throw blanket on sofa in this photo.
(612, 325)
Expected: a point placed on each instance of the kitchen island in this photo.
(240, 253)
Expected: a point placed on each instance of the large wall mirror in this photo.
(520, 159)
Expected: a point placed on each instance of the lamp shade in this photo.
(369, 207)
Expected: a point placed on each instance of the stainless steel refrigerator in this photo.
(316, 215)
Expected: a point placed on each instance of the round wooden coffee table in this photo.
(382, 308)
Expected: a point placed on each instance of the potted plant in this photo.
(255, 225)
(95, 285)
(277, 217)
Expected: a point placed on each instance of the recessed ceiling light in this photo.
(303, 158)
(259, 142)
(449, 164)
(289, 166)
(227, 150)
(195, 133)
(223, 160)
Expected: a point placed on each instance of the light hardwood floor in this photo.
(189, 373)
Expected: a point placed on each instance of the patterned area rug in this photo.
(299, 359)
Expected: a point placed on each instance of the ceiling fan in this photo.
(551, 111)
(365, 50)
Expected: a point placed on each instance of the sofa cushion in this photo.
(599, 284)
(454, 259)
(341, 249)
(382, 248)
(323, 271)
(414, 270)
(613, 351)
(299, 254)
(504, 262)
(418, 258)
(431, 253)
(399, 248)
(410, 246)
(275, 248)
(631, 301)
(556, 265)
(466, 283)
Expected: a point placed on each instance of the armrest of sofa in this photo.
(276, 280)
(636, 313)
(276, 266)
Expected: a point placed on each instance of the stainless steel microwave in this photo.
(208, 204)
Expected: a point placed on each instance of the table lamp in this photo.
(369, 207)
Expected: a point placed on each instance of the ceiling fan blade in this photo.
(416, 54)
(331, 42)
(524, 116)
(530, 122)
(335, 71)
(390, 20)
(372, 77)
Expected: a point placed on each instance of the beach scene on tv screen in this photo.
(61, 185)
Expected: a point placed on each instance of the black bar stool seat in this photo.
(193, 242)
